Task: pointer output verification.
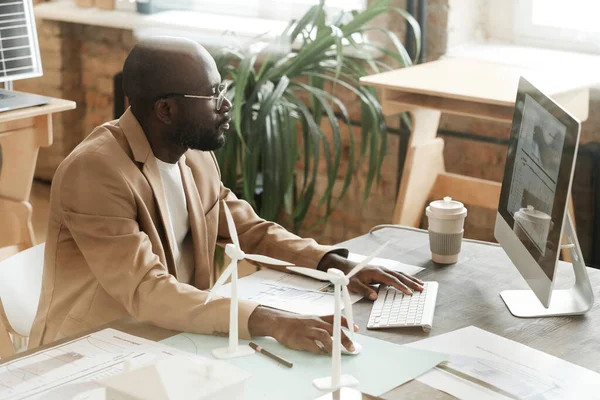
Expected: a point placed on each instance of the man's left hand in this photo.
(370, 275)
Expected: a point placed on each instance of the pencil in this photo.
(270, 355)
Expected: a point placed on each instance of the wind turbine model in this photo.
(340, 282)
(236, 254)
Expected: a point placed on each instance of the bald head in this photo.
(165, 65)
(176, 94)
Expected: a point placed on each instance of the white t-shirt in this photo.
(180, 221)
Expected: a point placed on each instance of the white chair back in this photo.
(20, 287)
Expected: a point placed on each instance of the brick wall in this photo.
(59, 52)
(79, 63)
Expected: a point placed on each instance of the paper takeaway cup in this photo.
(446, 228)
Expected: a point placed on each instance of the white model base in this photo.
(325, 384)
(226, 353)
(342, 394)
(574, 301)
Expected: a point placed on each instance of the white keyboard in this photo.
(394, 309)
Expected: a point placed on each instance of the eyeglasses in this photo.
(220, 97)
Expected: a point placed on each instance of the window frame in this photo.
(527, 33)
(267, 9)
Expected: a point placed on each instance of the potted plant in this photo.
(281, 106)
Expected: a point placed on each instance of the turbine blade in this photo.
(226, 274)
(313, 273)
(367, 260)
(231, 225)
(348, 310)
(266, 260)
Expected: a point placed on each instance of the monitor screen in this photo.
(19, 52)
(537, 176)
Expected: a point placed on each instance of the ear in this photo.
(163, 109)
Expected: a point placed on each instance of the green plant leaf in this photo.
(414, 24)
(306, 20)
(243, 75)
(402, 55)
(332, 166)
(267, 106)
(317, 110)
(315, 142)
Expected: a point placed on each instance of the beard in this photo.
(198, 137)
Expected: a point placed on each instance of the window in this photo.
(266, 9)
(570, 25)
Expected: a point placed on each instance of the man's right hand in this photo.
(298, 332)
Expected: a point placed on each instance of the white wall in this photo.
(476, 21)
(499, 20)
(465, 22)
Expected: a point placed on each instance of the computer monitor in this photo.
(20, 55)
(532, 216)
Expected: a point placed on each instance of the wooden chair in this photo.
(429, 180)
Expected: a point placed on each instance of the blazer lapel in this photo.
(142, 153)
(152, 174)
(198, 227)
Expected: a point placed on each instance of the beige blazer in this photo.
(108, 254)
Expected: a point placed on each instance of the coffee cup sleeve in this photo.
(445, 244)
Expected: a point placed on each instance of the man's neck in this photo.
(162, 149)
(166, 154)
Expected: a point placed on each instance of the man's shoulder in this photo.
(105, 144)
(103, 151)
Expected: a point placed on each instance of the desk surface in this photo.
(55, 105)
(468, 295)
(477, 81)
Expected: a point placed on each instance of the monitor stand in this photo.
(574, 301)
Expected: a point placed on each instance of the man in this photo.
(136, 214)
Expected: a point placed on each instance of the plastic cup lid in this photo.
(533, 213)
(446, 207)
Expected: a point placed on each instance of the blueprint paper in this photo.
(380, 367)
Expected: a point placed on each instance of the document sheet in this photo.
(289, 292)
(482, 365)
(70, 370)
(299, 294)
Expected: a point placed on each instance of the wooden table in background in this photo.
(468, 295)
(471, 88)
(22, 133)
